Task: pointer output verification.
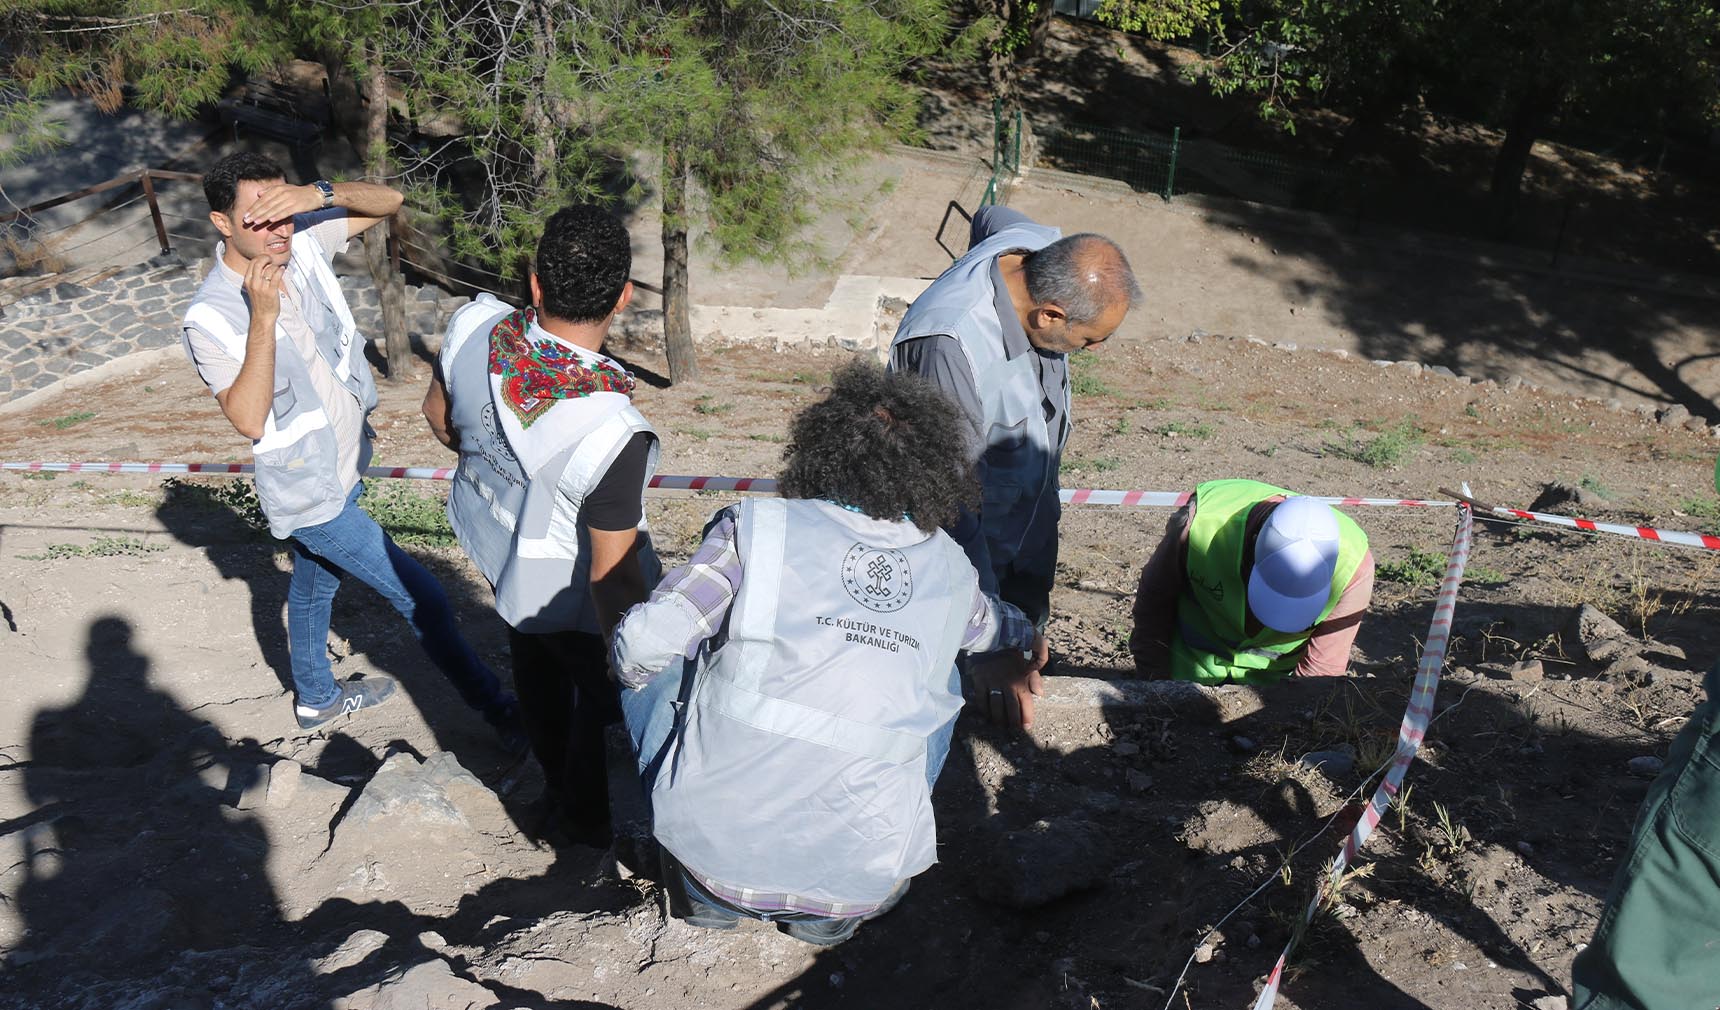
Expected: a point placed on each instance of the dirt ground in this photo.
(141, 864)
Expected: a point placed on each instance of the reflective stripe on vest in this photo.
(800, 763)
(520, 532)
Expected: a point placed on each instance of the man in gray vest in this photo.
(548, 498)
(271, 335)
(994, 331)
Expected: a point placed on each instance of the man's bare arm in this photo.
(247, 401)
(440, 414)
(366, 203)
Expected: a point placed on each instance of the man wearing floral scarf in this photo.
(548, 496)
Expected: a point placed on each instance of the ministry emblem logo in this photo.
(877, 578)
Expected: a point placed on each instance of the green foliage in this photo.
(1592, 484)
(1085, 378)
(409, 515)
(1161, 19)
(65, 421)
(1388, 448)
(236, 495)
(1420, 568)
(1192, 429)
(707, 406)
(1097, 464)
(102, 547)
(176, 55)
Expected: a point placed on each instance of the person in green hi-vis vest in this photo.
(1252, 583)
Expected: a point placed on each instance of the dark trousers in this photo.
(1657, 946)
(566, 700)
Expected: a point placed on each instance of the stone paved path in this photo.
(70, 327)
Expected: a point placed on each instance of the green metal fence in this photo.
(1169, 164)
(1600, 227)
(1005, 150)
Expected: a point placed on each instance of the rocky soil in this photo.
(169, 838)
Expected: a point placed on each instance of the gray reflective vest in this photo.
(1018, 470)
(297, 476)
(523, 530)
(801, 764)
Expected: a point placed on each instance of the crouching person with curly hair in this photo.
(790, 690)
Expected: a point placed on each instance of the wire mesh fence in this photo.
(1635, 228)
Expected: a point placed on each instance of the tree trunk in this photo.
(1534, 111)
(390, 286)
(677, 307)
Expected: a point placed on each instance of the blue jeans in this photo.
(353, 544)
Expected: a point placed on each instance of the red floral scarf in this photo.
(535, 374)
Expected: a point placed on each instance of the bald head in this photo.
(1081, 287)
(1085, 275)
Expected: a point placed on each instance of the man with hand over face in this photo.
(271, 334)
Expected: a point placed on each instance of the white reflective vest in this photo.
(297, 476)
(800, 767)
(523, 531)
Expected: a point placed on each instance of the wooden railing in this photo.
(146, 179)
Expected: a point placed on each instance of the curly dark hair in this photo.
(221, 183)
(889, 444)
(583, 260)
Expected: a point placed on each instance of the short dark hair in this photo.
(221, 183)
(889, 444)
(1083, 274)
(583, 261)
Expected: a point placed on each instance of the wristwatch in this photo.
(326, 188)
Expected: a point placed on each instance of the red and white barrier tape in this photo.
(671, 482)
(1070, 496)
(1638, 532)
(1410, 734)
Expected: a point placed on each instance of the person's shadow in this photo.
(129, 859)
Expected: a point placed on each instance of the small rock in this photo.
(354, 949)
(1203, 953)
(1123, 748)
(1559, 494)
(1513, 384)
(1101, 802)
(1408, 367)
(1253, 940)
(254, 790)
(283, 783)
(1139, 782)
(1335, 763)
(1631, 669)
(1525, 848)
(1038, 864)
(1552, 1003)
(1242, 744)
(433, 940)
(1528, 669)
(1615, 405)
(837, 979)
(1591, 627)
(1695, 424)
(1646, 766)
(1672, 416)
(1442, 371)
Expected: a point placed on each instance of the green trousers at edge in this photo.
(1657, 946)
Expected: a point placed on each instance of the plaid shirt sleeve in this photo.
(686, 608)
(994, 625)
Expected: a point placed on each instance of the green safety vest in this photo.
(1211, 644)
